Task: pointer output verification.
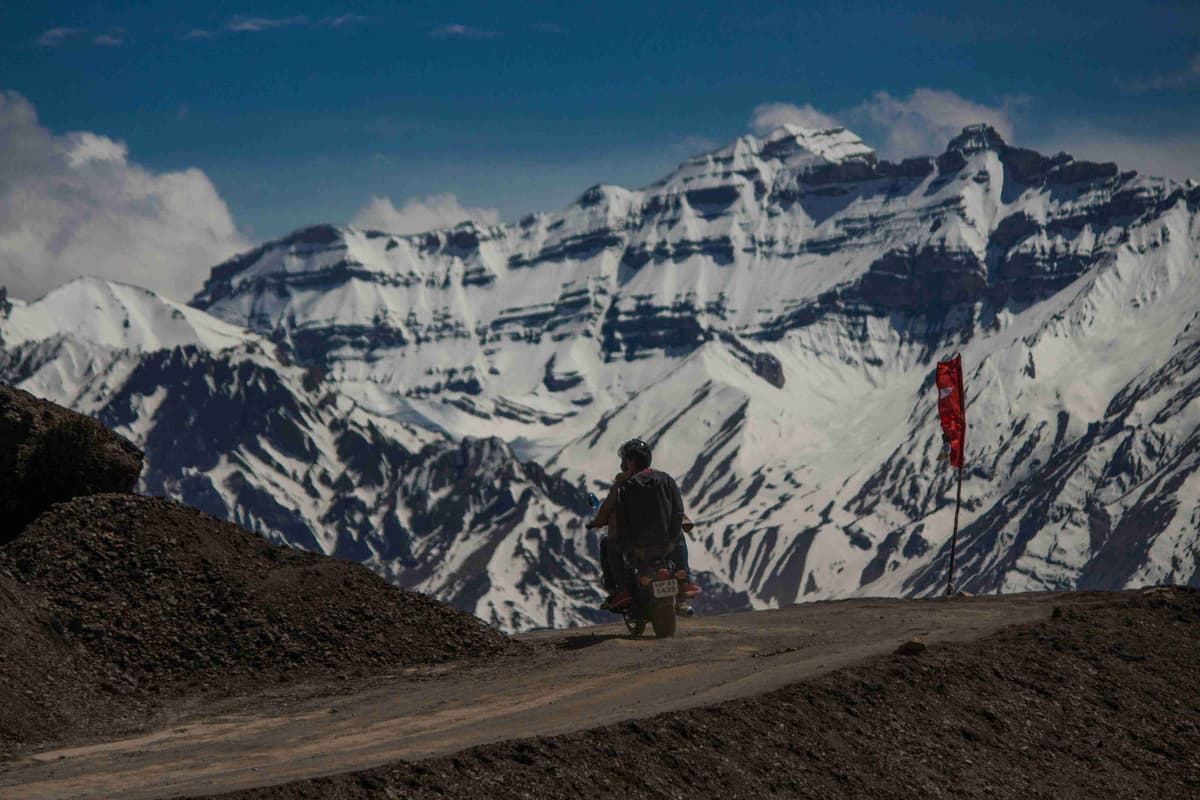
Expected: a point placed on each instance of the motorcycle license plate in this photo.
(668, 588)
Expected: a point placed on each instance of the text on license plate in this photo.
(667, 588)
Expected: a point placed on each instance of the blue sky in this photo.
(300, 112)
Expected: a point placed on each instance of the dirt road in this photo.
(564, 681)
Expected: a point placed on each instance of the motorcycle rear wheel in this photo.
(664, 620)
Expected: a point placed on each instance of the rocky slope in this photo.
(767, 316)
(116, 604)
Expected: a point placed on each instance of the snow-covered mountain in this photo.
(767, 315)
(232, 426)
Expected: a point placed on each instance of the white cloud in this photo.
(417, 215)
(256, 24)
(115, 37)
(198, 33)
(74, 205)
(84, 147)
(921, 124)
(926, 121)
(343, 19)
(456, 31)
(769, 116)
(1172, 80)
(57, 36)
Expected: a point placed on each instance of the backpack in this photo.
(650, 509)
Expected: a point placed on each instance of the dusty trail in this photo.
(569, 680)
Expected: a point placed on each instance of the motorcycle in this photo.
(659, 595)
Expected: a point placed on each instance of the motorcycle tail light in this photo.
(663, 575)
(680, 575)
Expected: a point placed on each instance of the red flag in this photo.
(951, 407)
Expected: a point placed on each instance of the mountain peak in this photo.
(316, 234)
(977, 137)
(118, 316)
(834, 145)
(788, 148)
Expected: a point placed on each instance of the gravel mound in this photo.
(1094, 702)
(112, 600)
(49, 454)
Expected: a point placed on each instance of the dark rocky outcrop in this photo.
(49, 454)
(576, 247)
(764, 365)
(917, 167)
(633, 333)
(560, 381)
(848, 171)
(877, 566)
(316, 234)
(1025, 166)
(922, 279)
(1013, 229)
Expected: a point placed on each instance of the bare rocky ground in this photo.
(1099, 700)
(1039, 695)
(117, 606)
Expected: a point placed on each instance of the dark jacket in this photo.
(606, 515)
(649, 510)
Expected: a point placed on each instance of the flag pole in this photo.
(954, 537)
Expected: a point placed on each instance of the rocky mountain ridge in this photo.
(767, 316)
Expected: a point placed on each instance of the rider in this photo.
(642, 504)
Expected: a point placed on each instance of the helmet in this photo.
(637, 451)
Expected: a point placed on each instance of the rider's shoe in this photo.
(617, 601)
(686, 587)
